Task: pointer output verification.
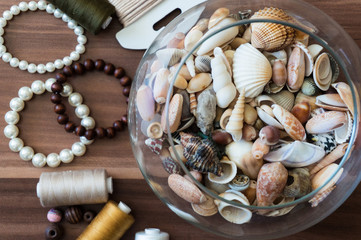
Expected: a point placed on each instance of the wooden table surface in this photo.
(39, 38)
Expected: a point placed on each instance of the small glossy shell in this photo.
(203, 64)
(229, 171)
(145, 103)
(221, 137)
(323, 175)
(155, 145)
(155, 130)
(183, 71)
(296, 69)
(249, 133)
(206, 110)
(298, 183)
(171, 166)
(322, 72)
(259, 149)
(179, 150)
(161, 85)
(170, 56)
(207, 208)
(225, 118)
(302, 112)
(344, 90)
(326, 122)
(180, 82)
(185, 189)
(174, 115)
(239, 182)
(192, 38)
(279, 73)
(235, 123)
(285, 99)
(200, 82)
(269, 135)
(217, 16)
(250, 114)
(308, 58)
(309, 87)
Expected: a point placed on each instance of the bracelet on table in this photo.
(50, 66)
(87, 127)
(27, 153)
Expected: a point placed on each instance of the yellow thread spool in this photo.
(110, 224)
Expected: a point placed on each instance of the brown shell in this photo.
(185, 189)
(175, 114)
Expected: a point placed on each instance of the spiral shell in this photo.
(259, 149)
(171, 166)
(193, 103)
(235, 123)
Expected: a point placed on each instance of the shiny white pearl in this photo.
(33, 5)
(23, 6)
(78, 149)
(72, 24)
(82, 39)
(48, 84)
(88, 122)
(53, 160)
(82, 111)
(1, 40)
(66, 156)
(7, 15)
(58, 63)
(12, 117)
(42, 5)
(80, 48)
(16, 104)
(3, 22)
(15, 10)
(39, 160)
(78, 30)
(14, 62)
(31, 68)
(67, 90)
(58, 13)
(11, 131)
(75, 99)
(38, 87)
(67, 61)
(26, 153)
(41, 68)
(65, 18)
(23, 65)
(7, 57)
(74, 56)
(25, 93)
(2, 50)
(1, 31)
(16, 144)
(85, 141)
(50, 67)
(50, 9)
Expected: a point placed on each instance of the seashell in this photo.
(155, 130)
(179, 149)
(201, 25)
(326, 141)
(276, 56)
(225, 118)
(334, 67)
(200, 82)
(207, 208)
(298, 183)
(331, 101)
(324, 174)
(161, 85)
(145, 103)
(269, 135)
(264, 100)
(250, 114)
(156, 65)
(170, 56)
(285, 99)
(155, 145)
(291, 124)
(185, 189)
(179, 82)
(270, 36)
(206, 110)
(218, 39)
(342, 134)
(268, 119)
(235, 123)
(226, 95)
(250, 192)
(218, 188)
(247, 35)
(195, 174)
(295, 154)
(174, 114)
(344, 90)
(311, 100)
(267, 109)
(308, 58)
(322, 72)
(231, 213)
(251, 70)
(271, 87)
(239, 182)
(229, 171)
(221, 137)
(171, 166)
(259, 124)
(176, 41)
(272, 179)
(192, 38)
(315, 50)
(229, 55)
(186, 112)
(249, 133)
(241, 153)
(296, 69)
(279, 212)
(321, 196)
(190, 65)
(183, 71)
(309, 87)
(259, 149)
(218, 52)
(217, 16)
(326, 122)
(203, 64)
(302, 112)
(201, 155)
(238, 42)
(193, 103)
(279, 73)
(187, 124)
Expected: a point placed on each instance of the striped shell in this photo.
(155, 145)
(322, 72)
(285, 99)
(171, 166)
(235, 122)
(203, 64)
(309, 87)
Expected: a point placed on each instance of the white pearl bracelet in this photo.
(50, 66)
(27, 153)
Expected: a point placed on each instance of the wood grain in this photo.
(38, 37)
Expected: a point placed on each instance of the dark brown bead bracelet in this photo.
(80, 69)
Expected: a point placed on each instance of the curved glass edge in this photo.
(354, 127)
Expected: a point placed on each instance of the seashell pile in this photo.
(260, 119)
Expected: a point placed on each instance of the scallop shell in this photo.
(192, 38)
(326, 141)
(185, 189)
(218, 16)
(206, 110)
(322, 72)
(298, 183)
(171, 166)
(174, 115)
(161, 85)
(285, 99)
(155, 130)
(207, 208)
(229, 171)
(235, 123)
(315, 50)
(239, 182)
(251, 70)
(342, 134)
(155, 145)
(170, 56)
(295, 154)
(193, 103)
(331, 101)
(344, 90)
(296, 70)
(309, 87)
(308, 58)
(323, 175)
(326, 122)
(259, 149)
(203, 64)
(145, 103)
(200, 82)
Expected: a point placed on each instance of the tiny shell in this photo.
(155, 145)
(171, 166)
(269, 135)
(323, 175)
(302, 112)
(298, 183)
(174, 115)
(155, 130)
(326, 141)
(238, 42)
(311, 100)
(249, 133)
(239, 182)
(326, 122)
(259, 149)
(200, 82)
(229, 171)
(183, 71)
(217, 16)
(206, 110)
(225, 118)
(145, 103)
(235, 123)
(285, 99)
(296, 69)
(185, 189)
(250, 114)
(221, 137)
(175, 42)
(279, 73)
(170, 56)
(161, 85)
(342, 134)
(179, 150)
(207, 208)
(179, 82)
(193, 103)
(309, 87)
(192, 38)
(322, 72)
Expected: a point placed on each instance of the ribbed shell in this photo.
(203, 64)
(285, 99)
(235, 123)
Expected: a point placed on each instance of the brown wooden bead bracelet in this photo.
(87, 126)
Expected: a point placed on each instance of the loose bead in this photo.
(53, 232)
(39, 160)
(41, 68)
(68, 71)
(119, 72)
(55, 98)
(78, 149)
(89, 134)
(85, 141)
(75, 99)
(73, 215)
(53, 160)
(49, 83)
(16, 144)
(100, 132)
(25, 93)
(125, 81)
(26, 153)
(16, 104)
(38, 87)
(62, 119)
(109, 69)
(50, 67)
(110, 132)
(23, 6)
(99, 65)
(11, 131)
(118, 125)
(23, 65)
(82, 111)
(31, 68)
(88, 216)
(67, 61)
(67, 90)
(66, 156)
(79, 68)
(54, 215)
(14, 62)
(60, 77)
(124, 119)
(33, 5)
(88, 122)
(126, 91)
(57, 87)
(59, 108)
(12, 117)
(59, 64)
(80, 130)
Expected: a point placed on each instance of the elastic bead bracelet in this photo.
(50, 66)
(87, 127)
(16, 144)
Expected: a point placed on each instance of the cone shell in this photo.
(285, 99)
(192, 38)
(298, 184)
(161, 85)
(251, 70)
(326, 122)
(155, 145)
(345, 93)
(200, 82)
(296, 69)
(175, 114)
(322, 72)
(326, 141)
(185, 189)
(235, 123)
(322, 176)
(218, 16)
(207, 208)
(229, 171)
(145, 103)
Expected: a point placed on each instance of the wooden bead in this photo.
(53, 232)
(55, 98)
(100, 132)
(80, 130)
(79, 68)
(109, 69)
(89, 134)
(110, 132)
(70, 127)
(124, 119)
(73, 215)
(56, 87)
(60, 78)
(59, 108)
(63, 119)
(88, 216)
(119, 72)
(126, 91)
(68, 71)
(99, 64)
(125, 81)
(118, 125)
(89, 64)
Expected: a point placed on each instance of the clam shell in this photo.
(203, 64)
(170, 56)
(229, 171)
(276, 56)
(206, 110)
(323, 175)
(171, 166)
(235, 123)
(298, 183)
(251, 70)
(179, 149)
(309, 87)
(279, 73)
(326, 141)
(250, 114)
(207, 208)
(331, 101)
(269, 120)
(296, 69)
(315, 50)
(259, 149)
(264, 100)
(342, 134)
(239, 182)
(155, 130)
(185, 189)
(218, 16)
(269, 135)
(322, 72)
(326, 122)
(285, 99)
(145, 103)
(308, 58)
(192, 38)
(225, 118)
(200, 82)
(174, 115)
(344, 90)
(161, 85)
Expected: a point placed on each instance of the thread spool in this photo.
(74, 187)
(151, 234)
(110, 224)
(93, 15)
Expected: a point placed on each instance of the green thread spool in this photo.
(91, 14)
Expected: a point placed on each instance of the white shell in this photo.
(229, 171)
(170, 56)
(342, 134)
(315, 50)
(279, 55)
(269, 120)
(322, 72)
(203, 64)
(192, 38)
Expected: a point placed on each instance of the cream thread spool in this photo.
(110, 224)
(74, 187)
(151, 234)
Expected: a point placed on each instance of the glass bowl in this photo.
(285, 216)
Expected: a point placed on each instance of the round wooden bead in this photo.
(99, 64)
(100, 132)
(63, 119)
(80, 130)
(126, 91)
(79, 68)
(125, 81)
(60, 78)
(119, 72)
(54, 215)
(124, 119)
(59, 108)
(110, 132)
(56, 98)
(88, 216)
(109, 69)
(69, 127)
(73, 215)
(118, 125)
(53, 232)
(89, 64)
(56, 87)
(68, 71)
(89, 134)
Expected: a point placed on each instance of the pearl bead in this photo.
(14, 62)
(82, 39)
(50, 9)
(16, 104)
(75, 99)
(11, 131)
(38, 87)
(78, 30)
(15, 10)
(1, 40)
(33, 6)
(72, 24)
(7, 15)
(25, 93)
(12, 117)
(23, 65)
(53, 160)
(80, 48)
(48, 84)
(3, 22)
(58, 13)
(42, 5)
(85, 141)
(82, 111)
(65, 18)
(74, 56)
(26, 153)
(41, 68)
(67, 61)
(2, 50)
(32, 68)
(66, 156)
(78, 149)
(50, 67)
(16, 144)
(7, 57)
(88, 122)
(67, 90)
(1, 31)
(39, 160)
(23, 6)
(58, 63)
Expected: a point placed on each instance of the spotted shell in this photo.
(326, 141)
(155, 145)
(298, 183)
